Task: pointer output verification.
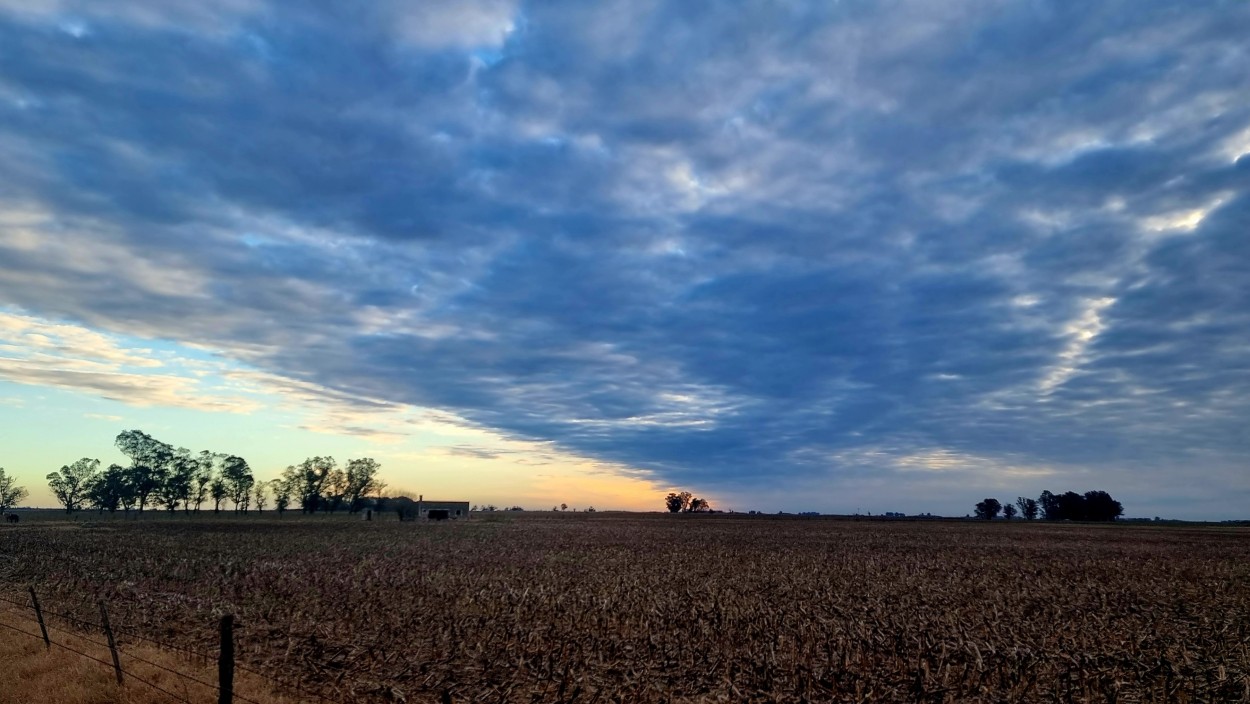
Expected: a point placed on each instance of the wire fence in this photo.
(223, 689)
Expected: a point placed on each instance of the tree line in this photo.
(1068, 506)
(160, 475)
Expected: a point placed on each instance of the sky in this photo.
(808, 256)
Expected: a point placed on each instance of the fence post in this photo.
(39, 615)
(225, 663)
(108, 632)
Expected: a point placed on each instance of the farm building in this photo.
(422, 510)
(441, 510)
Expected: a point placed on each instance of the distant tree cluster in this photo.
(685, 502)
(318, 483)
(160, 475)
(1069, 506)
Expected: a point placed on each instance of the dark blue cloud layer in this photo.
(750, 248)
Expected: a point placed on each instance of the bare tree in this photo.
(10, 492)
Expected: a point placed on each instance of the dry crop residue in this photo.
(639, 608)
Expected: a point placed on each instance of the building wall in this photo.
(424, 507)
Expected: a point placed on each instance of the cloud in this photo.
(785, 245)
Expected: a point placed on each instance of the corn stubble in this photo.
(618, 608)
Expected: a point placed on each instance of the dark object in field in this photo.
(12, 517)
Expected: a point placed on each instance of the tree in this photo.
(10, 492)
(362, 478)
(70, 483)
(149, 462)
(105, 491)
(1049, 503)
(179, 484)
(205, 463)
(1099, 506)
(179, 480)
(677, 502)
(1028, 507)
(281, 495)
(1071, 506)
(217, 489)
(308, 480)
(1009, 511)
(988, 509)
(698, 506)
(237, 477)
(335, 490)
(564, 507)
(261, 498)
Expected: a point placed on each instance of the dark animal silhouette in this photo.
(11, 517)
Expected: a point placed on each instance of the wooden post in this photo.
(39, 615)
(225, 662)
(108, 632)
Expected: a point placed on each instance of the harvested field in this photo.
(638, 608)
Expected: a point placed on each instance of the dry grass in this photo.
(625, 608)
(32, 674)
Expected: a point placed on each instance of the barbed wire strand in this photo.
(28, 608)
(79, 636)
(130, 633)
(105, 663)
(90, 625)
(26, 605)
(156, 687)
(23, 604)
(59, 645)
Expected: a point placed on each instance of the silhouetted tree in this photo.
(1099, 506)
(10, 492)
(261, 494)
(362, 478)
(335, 490)
(1071, 506)
(1028, 507)
(149, 463)
(179, 485)
(1049, 503)
(988, 509)
(281, 495)
(238, 480)
(678, 502)
(308, 481)
(205, 462)
(179, 480)
(218, 491)
(70, 483)
(698, 506)
(105, 490)
(1009, 511)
